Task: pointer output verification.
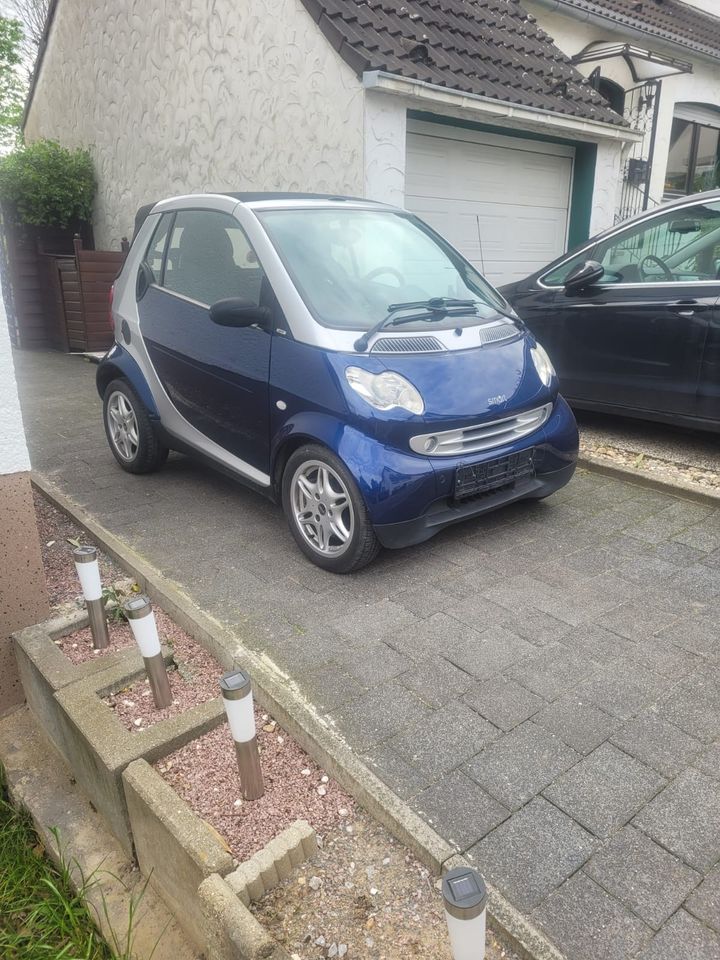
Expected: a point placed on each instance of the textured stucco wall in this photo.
(208, 94)
(385, 138)
(13, 449)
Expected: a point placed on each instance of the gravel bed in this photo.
(205, 775)
(193, 677)
(364, 897)
(78, 647)
(55, 531)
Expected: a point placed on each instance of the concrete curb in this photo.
(685, 491)
(231, 932)
(280, 696)
(274, 863)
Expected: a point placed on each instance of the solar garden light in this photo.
(465, 897)
(238, 699)
(88, 571)
(141, 618)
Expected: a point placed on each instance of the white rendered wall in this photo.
(385, 148)
(13, 449)
(178, 97)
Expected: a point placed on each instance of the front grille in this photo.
(481, 436)
(482, 478)
(407, 345)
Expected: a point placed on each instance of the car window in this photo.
(557, 276)
(156, 247)
(674, 247)
(209, 258)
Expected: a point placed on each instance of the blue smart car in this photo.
(337, 355)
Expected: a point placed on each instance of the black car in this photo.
(631, 319)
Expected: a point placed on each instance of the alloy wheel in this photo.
(322, 508)
(123, 426)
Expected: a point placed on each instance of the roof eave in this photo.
(488, 109)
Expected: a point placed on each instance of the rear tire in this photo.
(129, 430)
(325, 511)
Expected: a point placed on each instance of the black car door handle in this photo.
(688, 308)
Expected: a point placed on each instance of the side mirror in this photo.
(584, 275)
(144, 278)
(235, 312)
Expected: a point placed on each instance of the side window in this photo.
(209, 258)
(156, 247)
(677, 246)
(556, 277)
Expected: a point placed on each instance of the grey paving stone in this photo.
(685, 818)
(698, 581)
(423, 601)
(485, 654)
(379, 618)
(444, 739)
(374, 662)
(659, 744)
(583, 726)
(647, 879)
(503, 702)
(459, 810)
(586, 923)
(597, 644)
(591, 600)
(532, 853)
(699, 635)
(518, 766)
(331, 688)
(669, 522)
(683, 937)
(647, 569)
(537, 627)
(703, 536)
(709, 761)
(640, 618)
(429, 638)
(665, 657)
(604, 790)
(436, 681)
(379, 715)
(694, 705)
(704, 901)
(405, 779)
(553, 671)
(623, 687)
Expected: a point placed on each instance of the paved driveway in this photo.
(542, 685)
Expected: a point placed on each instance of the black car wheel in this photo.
(129, 431)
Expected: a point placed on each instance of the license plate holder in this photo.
(476, 479)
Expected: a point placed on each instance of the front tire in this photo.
(326, 512)
(129, 430)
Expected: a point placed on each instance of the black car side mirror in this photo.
(235, 312)
(584, 275)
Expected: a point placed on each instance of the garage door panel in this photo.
(457, 185)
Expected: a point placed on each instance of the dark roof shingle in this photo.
(492, 48)
(669, 20)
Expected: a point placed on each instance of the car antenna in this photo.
(482, 258)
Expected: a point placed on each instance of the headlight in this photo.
(385, 390)
(544, 367)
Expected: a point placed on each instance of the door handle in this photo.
(688, 308)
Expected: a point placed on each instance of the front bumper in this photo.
(421, 515)
(442, 513)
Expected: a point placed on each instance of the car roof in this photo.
(253, 197)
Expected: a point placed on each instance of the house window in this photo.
(613, 93)
(694, 158)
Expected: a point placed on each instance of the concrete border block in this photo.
(175, 849)
(44, 668)
(98, 748)
(274, 863)
(231, 932)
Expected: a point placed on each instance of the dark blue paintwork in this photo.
(117, 363)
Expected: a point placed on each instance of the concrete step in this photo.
(39, 780)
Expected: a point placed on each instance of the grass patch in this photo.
(41, 917)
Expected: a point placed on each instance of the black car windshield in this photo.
(349, 266)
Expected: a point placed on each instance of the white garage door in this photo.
(503, 202)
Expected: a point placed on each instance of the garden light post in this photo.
(238, 699)
(465, 897)
(88, 571)
(141, 618)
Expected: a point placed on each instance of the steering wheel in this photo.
(651, 258)
(378, 271)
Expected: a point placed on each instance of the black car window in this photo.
(677, 246)
(156, 247)
(209, 258)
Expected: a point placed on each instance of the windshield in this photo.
(350, 265)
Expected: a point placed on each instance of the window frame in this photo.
(596, 241)
(696, 127)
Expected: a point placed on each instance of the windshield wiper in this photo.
(437, 308)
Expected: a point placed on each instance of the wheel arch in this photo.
(119, 365)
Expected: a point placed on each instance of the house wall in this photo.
(23, 598)
(571, 34)
(179, 97)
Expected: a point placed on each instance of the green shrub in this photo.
(45, 184)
